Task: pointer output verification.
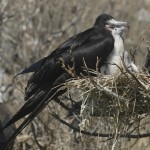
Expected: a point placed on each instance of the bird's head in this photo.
(108, 22)
(117, 31)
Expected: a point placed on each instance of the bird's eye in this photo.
(112, 27)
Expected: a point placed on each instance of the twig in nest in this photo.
(134, 77)
(35, 136)
(107, 91)
(98, 134)
(69, 70)
(97, 67)
(133, 54)
(87, 71)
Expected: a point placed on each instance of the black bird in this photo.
(81, 49)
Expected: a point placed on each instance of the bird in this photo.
(118, 55)
(51, 72)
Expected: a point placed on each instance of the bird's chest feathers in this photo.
(118, 47)
(117, 52)
(114, 59)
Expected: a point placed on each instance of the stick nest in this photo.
(124, 97)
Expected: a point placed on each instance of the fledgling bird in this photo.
(114, 61)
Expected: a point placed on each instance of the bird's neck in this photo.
(118, 45)
(118, 37)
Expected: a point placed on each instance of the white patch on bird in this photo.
(114, 59)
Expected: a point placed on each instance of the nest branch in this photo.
(98, 134)
(122, 98)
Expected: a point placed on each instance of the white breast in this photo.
(114, 59)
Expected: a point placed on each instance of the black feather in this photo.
(88, 45)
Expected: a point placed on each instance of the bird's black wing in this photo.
(71, 43)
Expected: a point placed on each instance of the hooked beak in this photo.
(113, 23)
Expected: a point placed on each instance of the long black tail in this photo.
(26, 109)
(37, 109)
(41, 96)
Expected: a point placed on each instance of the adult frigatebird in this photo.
(83, 48)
